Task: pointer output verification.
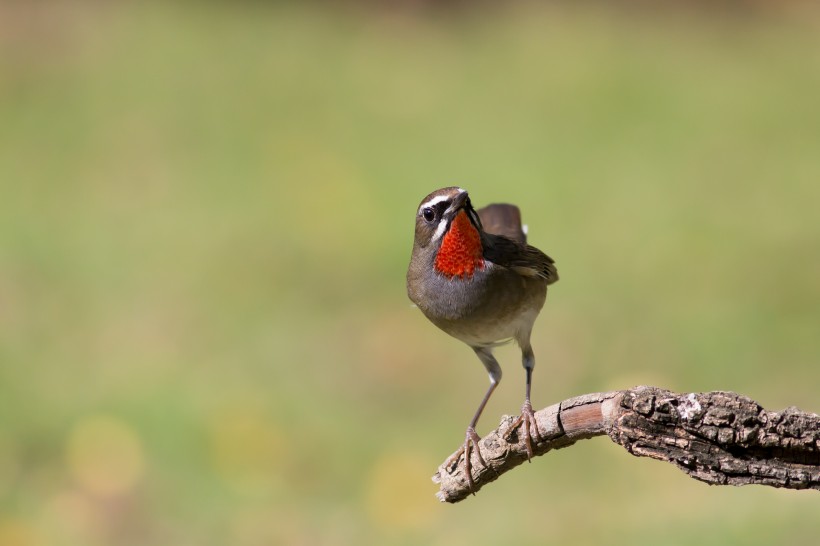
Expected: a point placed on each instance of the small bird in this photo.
(474, 276)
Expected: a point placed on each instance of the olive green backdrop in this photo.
(206, 212)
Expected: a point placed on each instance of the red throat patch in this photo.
(460, 253)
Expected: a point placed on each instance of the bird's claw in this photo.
(530, 425)
(471, 438)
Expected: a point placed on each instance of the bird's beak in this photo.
(461, 200)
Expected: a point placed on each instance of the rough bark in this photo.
(720, 438)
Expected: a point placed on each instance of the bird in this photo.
(473, 275)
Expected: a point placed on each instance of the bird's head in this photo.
(448, 228)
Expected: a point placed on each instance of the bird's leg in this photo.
(527, 417)
(471, 441)
(471, 437)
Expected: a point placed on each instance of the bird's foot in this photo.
(527, 421)
(471, 439)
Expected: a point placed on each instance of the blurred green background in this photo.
(206, 212)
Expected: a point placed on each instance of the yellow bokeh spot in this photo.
(399, 492)
(17, 533)
(246, 448)
(105, 456)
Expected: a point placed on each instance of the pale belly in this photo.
(492, 307)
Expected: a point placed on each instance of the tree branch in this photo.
(721, 438)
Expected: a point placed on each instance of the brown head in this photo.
(448, 233)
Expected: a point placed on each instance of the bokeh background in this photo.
(206, 212)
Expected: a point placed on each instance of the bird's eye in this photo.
(428, 214)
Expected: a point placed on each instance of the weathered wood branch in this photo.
(721, 438)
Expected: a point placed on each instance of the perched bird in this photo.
(473, 275)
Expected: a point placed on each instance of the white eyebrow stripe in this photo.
(433, 201)
(439, 199)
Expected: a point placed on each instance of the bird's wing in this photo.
(522, 258)
(503, 219)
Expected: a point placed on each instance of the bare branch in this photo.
(721, 438)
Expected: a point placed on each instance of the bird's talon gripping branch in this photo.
(528, 425)
(471, 438)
